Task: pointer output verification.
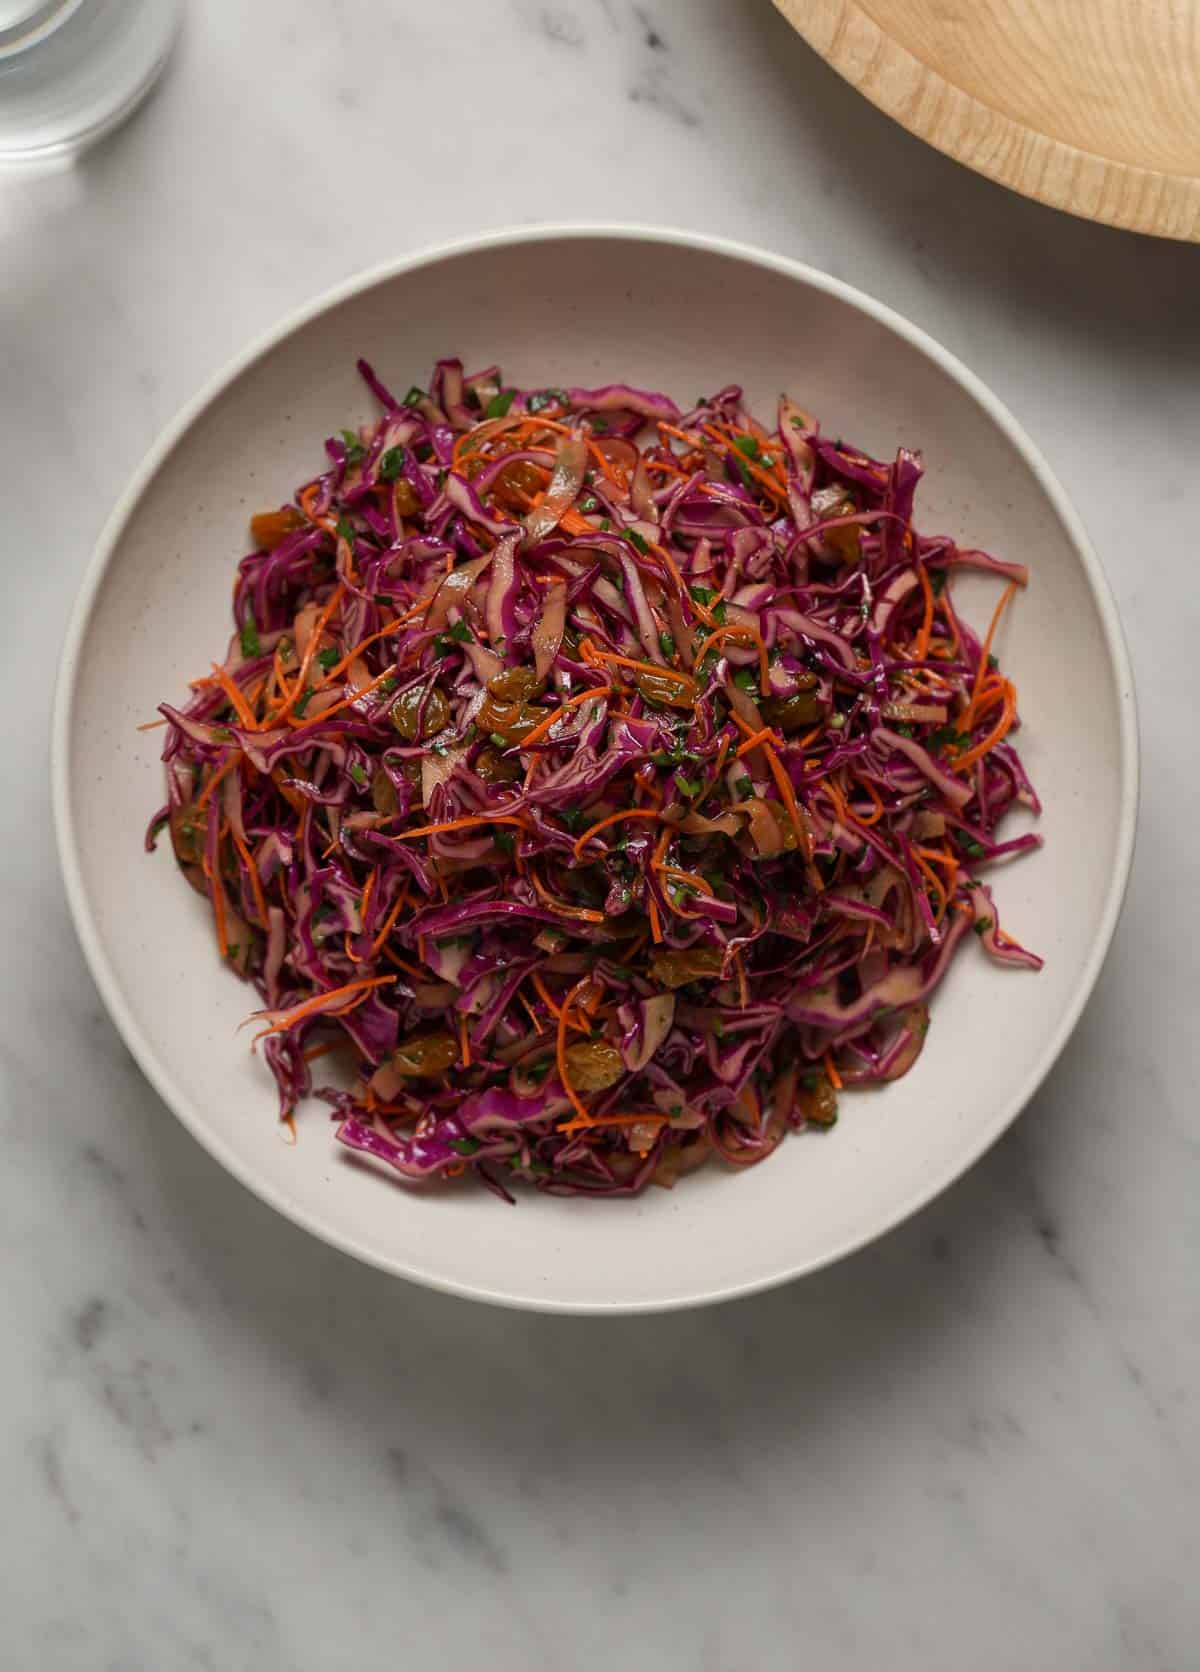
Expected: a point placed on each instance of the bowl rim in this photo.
(106, 547)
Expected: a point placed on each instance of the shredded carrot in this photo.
(644, 667)
(877, 811)
(613, 818)
(1000, 730)
(835, 1079)
(532, 1014)
(348, 702)
(353, 990)
(689, 877)
(936, 882)
(222, 772)
(256, 888)
(581, 1124)
(739, 965)
(470, 823)
(582, 912)
(772, 484)
(982, 670)
(560, 1049)
(390, 919)
(921, 642)
(152, 725)
(315, 1051)
(752, 742)
(464, 1040)
(702, 610)
(655, 921)
(310, 651)
(740, 632)
(305, 498)
(216, 890)
(543, 726)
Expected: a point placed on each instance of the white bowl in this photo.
(589, 305)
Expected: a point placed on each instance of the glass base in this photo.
(75, 81)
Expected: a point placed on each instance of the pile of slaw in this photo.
(598, 787)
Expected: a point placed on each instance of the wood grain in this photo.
(1092, 106)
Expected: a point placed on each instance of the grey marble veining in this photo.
(225, 1446)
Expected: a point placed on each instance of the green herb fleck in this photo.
(414, 397)
(937, 582)
(745, 680)
(689, 786)
(346, 530)
(329, 657)
(637, 541)
(744, 788)
(982, 926)
(498, 741)
(992, 662)
(465, 1146)
(543, 398)
(391, 464)
(355, 451)
(358, 773)
(588, 504)
(303, 701)
(505, 841)
(666, 644)
(499, 404)
(743, 470)
(249, 635)
(837, 721)
(748, 445)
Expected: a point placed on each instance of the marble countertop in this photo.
(225, 1446)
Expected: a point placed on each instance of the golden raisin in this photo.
(676, 969)
(424, 1054)
(418, 713)
(593, 1065)
(271, 528)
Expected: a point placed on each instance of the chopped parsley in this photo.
(499, 404)
(465, 1146)
(938, 582)
(745, 680)
(358, 773)
(329, 657)
(303, 701)
(689, 786)
(637, 541)
(982, 926)
(505, 841)
(414, 397)
(249, 635)
(543, 398)
(355, 451)
(346, 530)
(666, 644)
(391, 464)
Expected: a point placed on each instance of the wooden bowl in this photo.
(1092, 106)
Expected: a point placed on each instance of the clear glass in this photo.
(70, 70)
